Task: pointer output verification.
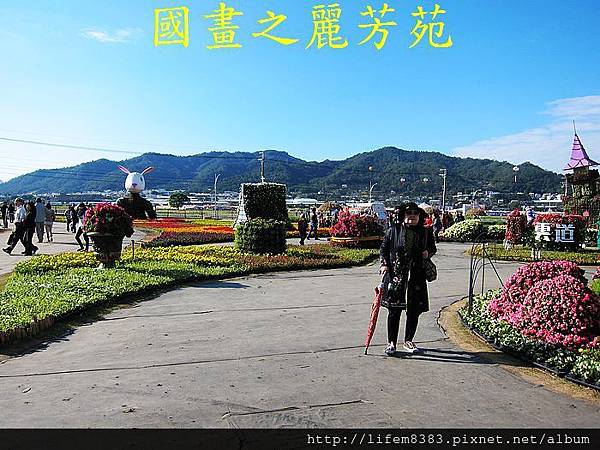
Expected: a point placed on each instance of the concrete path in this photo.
(64, 241)
(275, 350)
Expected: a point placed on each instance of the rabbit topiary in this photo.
(133, 203)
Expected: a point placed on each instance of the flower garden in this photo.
(175, 232)
(50, 287)
(546, 314)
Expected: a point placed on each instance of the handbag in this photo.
(428, 265)
(430, 270)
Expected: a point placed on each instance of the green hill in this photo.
(392, 168)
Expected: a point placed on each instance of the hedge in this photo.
(265, 200)
(261, 236)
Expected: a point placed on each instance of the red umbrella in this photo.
(374, 314)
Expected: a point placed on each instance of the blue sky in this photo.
(86, 73)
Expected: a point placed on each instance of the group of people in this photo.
(29, 218)
(308, 225)
(8, 213)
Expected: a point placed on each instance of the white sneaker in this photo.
(390, 350)
(410, 347)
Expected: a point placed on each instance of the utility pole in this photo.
(217, 175)
(262, 167)
(371, 185)
(443, 173)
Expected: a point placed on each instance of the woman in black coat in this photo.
(406, 244)
(29, 224)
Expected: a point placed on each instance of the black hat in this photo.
(411, 206)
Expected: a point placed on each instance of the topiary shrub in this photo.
(516, 224)
(261, 236)
(265, 201)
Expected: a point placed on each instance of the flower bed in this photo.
(355, 230)
(70, 283)
(523, 254)
(546, 314)
(174, 232)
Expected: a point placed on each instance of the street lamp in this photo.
(371, 190)
(217, 175)
(443, 173)
(515, 170)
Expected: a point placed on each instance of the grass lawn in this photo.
(58, 285)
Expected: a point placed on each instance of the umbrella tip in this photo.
(366, 351)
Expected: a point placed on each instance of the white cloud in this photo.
(549, 145)
(112, 37)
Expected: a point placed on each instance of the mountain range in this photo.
(405, 172)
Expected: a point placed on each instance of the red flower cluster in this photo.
(515, 227)
(549, 300)
(561, 311)
(107, 218)
(356, 225)
(560, 219)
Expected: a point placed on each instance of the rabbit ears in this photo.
(144, 172)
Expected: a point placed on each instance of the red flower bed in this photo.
(562, 219)
(549, 300)
(355, 225)
(561, 311)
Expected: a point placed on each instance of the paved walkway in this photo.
(64, 241)
(274, 350)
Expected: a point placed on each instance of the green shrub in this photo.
(464, 231)
(265, 201)
(495, 232)
(261, 236)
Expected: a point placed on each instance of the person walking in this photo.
(49, 222)
(81, 209)
(314, 224)
(19, 232)
(40, 219)
(74, 219)
(30, 228)
(4, 211)
(437, 226)
(11, 212)
(405, 247)
(302, 227)
(68, 217)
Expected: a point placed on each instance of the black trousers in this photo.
(393, 322)
(85, 237)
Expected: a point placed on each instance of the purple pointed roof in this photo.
(579, 157)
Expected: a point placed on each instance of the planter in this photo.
(107, 248)
(361, 242)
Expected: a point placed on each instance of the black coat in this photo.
(407, 267)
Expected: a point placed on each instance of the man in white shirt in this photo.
(19, 232)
